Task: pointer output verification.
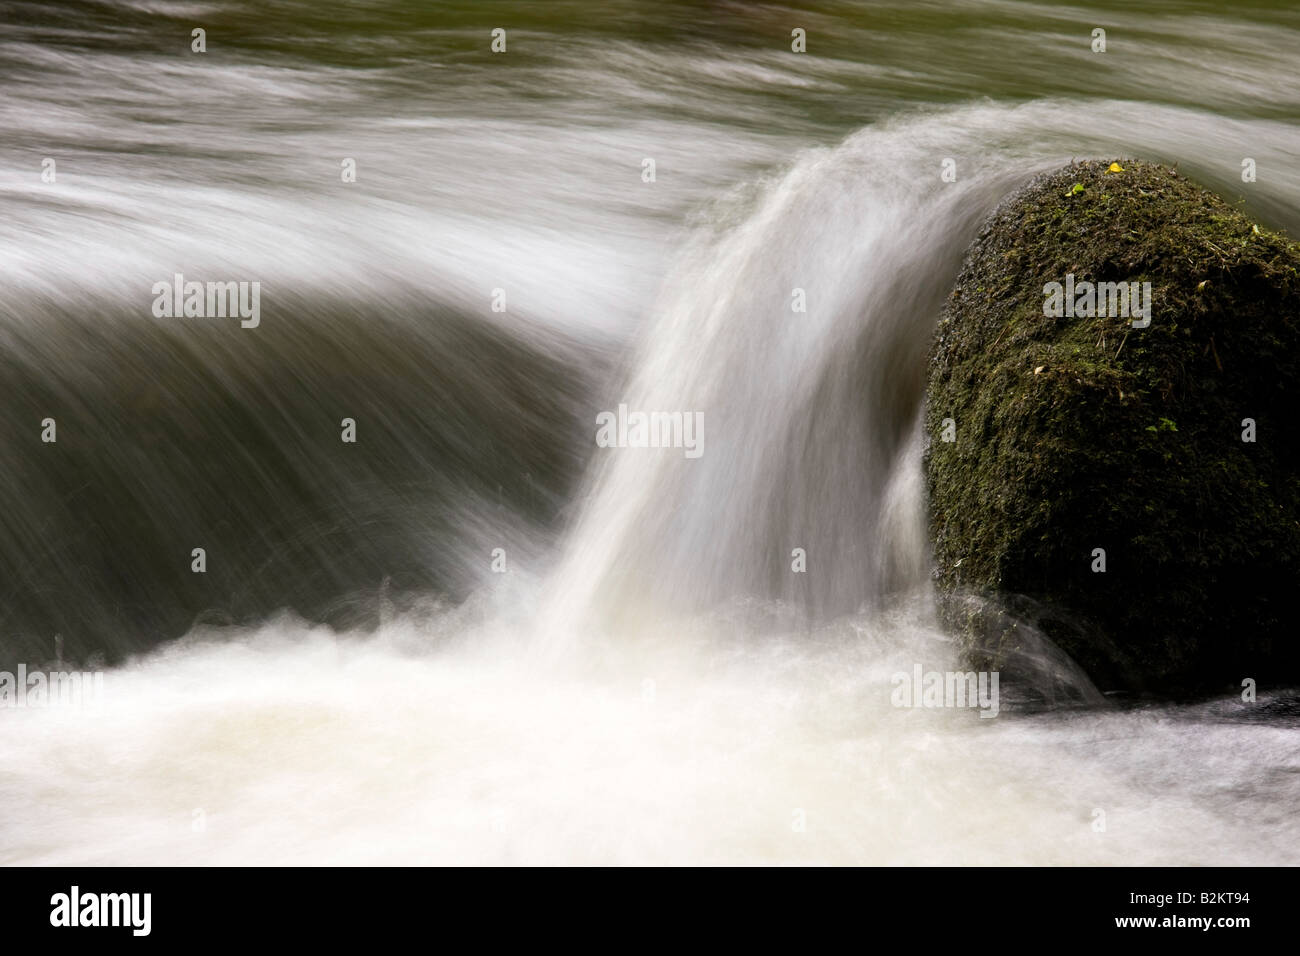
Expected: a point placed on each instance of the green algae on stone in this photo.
(1076, 435)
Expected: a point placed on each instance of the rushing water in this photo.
(647, 681)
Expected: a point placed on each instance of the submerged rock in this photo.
(1132, 488)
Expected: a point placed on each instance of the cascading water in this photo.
(649, 681)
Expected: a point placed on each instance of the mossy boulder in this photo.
(1171, 452)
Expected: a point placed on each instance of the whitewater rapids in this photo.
(649, 683)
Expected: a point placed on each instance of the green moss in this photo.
(1078, 433)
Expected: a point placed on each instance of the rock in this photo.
(1169, 455)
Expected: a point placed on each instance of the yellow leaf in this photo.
(1115, 168)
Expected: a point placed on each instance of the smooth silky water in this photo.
(648, 682)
